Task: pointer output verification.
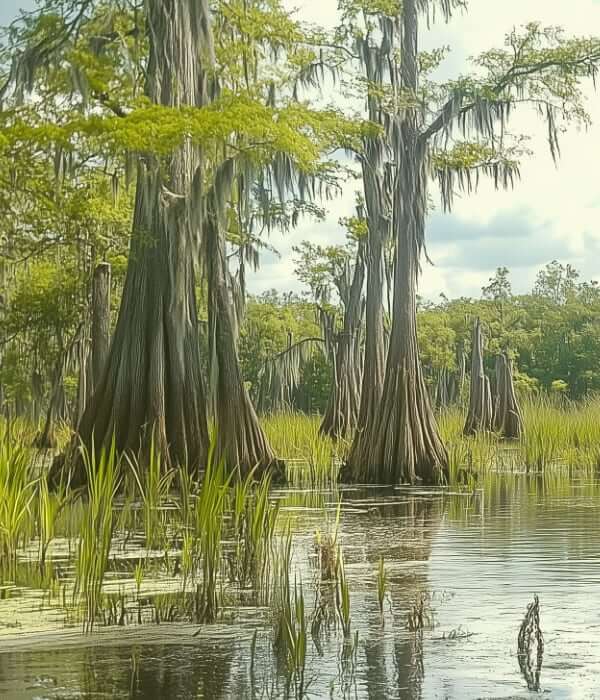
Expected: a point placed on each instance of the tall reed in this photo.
(154, 485)
(289, 619)
(208, 525)
(103, 477)
(17, 491)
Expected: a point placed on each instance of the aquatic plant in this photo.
(289, 619)
(49, 506)
(326, 546)
(311, 458)
(17, 491)
(102, 472)
(208, 525)
(342, 595)
(254, 518)
(154, 485)
(420, 615)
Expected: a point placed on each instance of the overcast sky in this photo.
(553, 213)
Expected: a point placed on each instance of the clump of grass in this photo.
(49, 507)
(185, 487)
(154, 485)
(208, 526)
(311, 458)
(17, 491)
(254, 519)
(290, 628)
(97, 528)
(17, 431)
(450, 424)
(420, 615)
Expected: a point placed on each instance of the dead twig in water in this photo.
(530, 651)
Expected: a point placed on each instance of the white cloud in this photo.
(559, 205)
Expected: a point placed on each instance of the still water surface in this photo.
(475, 559)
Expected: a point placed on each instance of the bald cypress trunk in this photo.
(100, 333)
(45, 438)
(83, 388)
(378, 212)
(508, 421)
(405, 445)
(151, 380)
(479, 416)
(240, 440)
(341, 415)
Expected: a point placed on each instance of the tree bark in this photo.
(373, 371)
(151, 380)
(100, 320)
(341, 415)
(480, 414)
(508, 421)
(83, 387)
(405, 444)
(240, 440)
(45, 438)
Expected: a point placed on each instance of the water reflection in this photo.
(456, 562)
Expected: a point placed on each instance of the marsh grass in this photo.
(50, 504)
(103, 478)
(254, 520)
(342, 596)
(209, 513)
(326, 546)
(154, 483)
(311, 458)
(289, 619)
(218, 542)
(17, 493)
(557, 434)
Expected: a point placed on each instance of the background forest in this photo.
(553, 334)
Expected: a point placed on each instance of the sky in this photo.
(552, 213)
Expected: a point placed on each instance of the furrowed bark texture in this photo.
(508, 421)
(377, 186)
(405, 444)
(240, 440)
(341, 415)
(373, 372)
(45, 439)
(83, 388)
(480, 414)
(151, 379)
(100, 320)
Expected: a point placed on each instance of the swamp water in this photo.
(461, 570)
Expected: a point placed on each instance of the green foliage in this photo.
(269, 323)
